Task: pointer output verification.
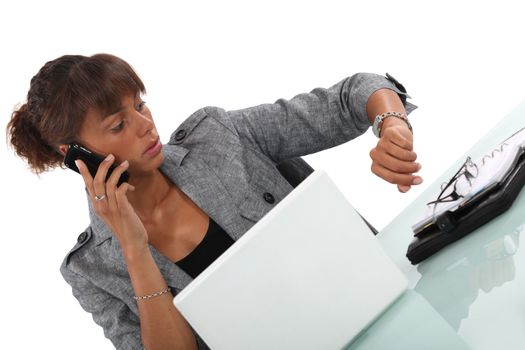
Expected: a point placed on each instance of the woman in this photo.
(186, 201)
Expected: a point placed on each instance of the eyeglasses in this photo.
(470, 170)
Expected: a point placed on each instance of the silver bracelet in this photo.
(149, 296)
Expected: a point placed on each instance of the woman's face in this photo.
(129, 134)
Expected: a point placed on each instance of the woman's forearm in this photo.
(161, 324)
(381, 101)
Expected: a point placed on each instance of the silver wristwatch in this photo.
(378, 121)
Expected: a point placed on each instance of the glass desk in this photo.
(471, 294)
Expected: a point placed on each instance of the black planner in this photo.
(477, 193)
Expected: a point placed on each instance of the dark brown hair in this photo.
(59, 97)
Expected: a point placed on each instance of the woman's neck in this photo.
(150, 191)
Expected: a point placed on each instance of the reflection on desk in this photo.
(483, 261)
(409, 324)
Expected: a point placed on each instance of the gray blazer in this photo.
(225, 161)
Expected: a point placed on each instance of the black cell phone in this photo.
(92, 161)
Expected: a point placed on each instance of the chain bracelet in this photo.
(149, 296)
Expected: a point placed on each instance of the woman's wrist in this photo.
(392, 121)
(135, 253)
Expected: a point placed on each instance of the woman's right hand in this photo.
(146, 278)
(112, 204)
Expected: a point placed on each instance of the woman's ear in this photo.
(63, 149)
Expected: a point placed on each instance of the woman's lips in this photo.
(154, 148)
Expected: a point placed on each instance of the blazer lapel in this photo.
(204, 187)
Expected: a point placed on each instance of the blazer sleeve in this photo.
(311, 122)
(119, 323)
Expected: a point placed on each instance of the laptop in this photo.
(309, 275)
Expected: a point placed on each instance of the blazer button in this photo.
(82, 237)
(181, 134)
(268, 197)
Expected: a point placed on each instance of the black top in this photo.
(214, 243)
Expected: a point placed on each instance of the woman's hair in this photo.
(59, 97)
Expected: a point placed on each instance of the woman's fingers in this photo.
(397, 151)
(394, 160)
(396, 178)
(117, 172)
(400, 136)
(97, 186)
(111, 185)
(121, 199)
(86, 176)
(99, 182)
(396, 164)
(393, 163)
(403, 188)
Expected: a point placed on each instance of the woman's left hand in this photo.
(393, 159)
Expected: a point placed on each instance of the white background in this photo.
(462, 62)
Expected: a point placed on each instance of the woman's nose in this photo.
(144, 124)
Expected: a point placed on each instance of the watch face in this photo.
(375, 128)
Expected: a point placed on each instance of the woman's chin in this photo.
(142, 167)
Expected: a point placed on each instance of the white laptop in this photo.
(309, 275)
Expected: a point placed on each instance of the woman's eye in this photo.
(118, 127)
(141, 106)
